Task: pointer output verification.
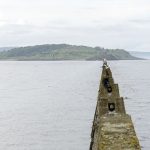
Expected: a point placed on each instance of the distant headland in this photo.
(54, 52)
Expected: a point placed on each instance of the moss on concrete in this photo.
(116, 132)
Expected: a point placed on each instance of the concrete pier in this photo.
(112, 128)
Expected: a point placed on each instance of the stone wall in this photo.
(112, 128)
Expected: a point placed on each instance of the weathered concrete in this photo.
(112, 128)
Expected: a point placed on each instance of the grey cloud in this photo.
(78, 22)
(16, 29)
(141, 21)
(111, 36)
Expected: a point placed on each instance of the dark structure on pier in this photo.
(112, 128)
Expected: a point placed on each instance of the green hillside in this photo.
(64, 52)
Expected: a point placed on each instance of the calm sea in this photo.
(50, 105)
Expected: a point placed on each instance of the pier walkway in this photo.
(112, 128)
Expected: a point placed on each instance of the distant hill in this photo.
(145, 55)
(5, 48)
(64, 52)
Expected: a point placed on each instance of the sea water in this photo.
(47, 105)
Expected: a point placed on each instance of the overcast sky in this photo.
(107, 23)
